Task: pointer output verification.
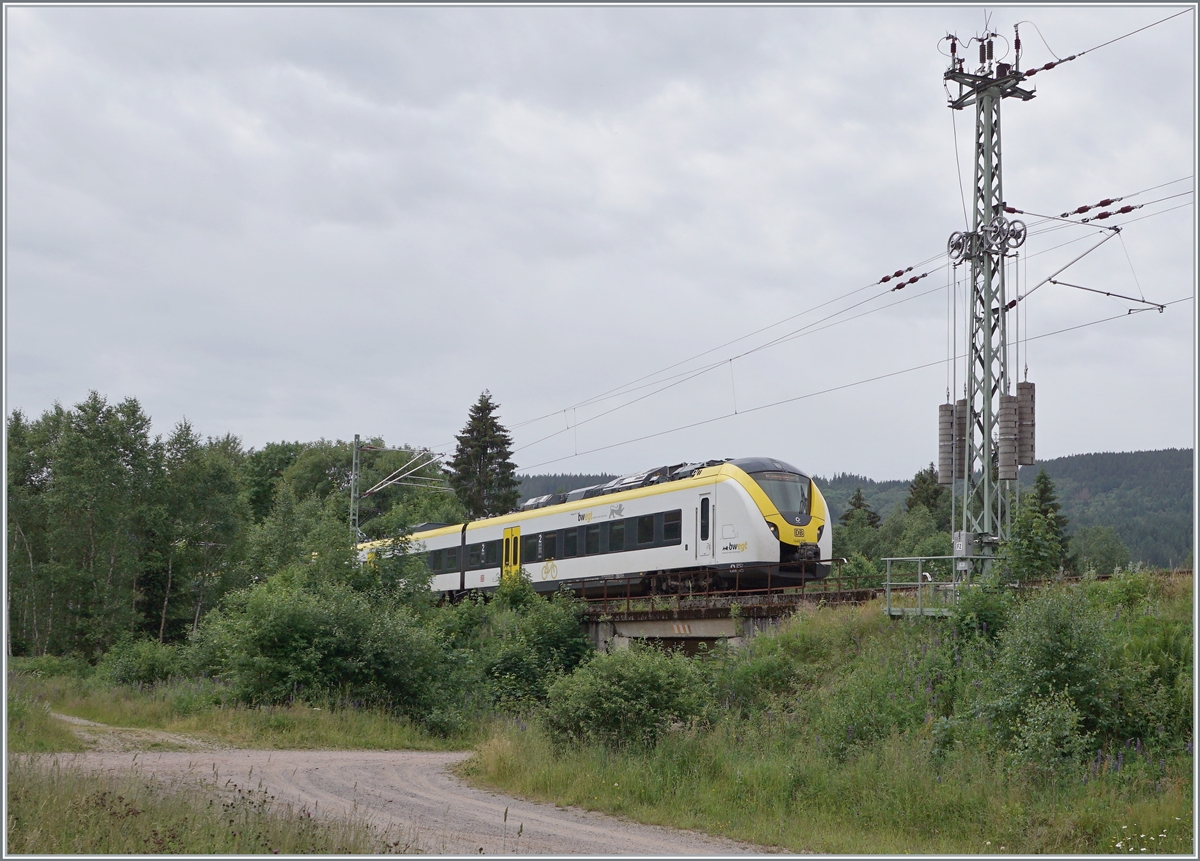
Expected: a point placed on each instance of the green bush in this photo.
(285, 640)
(139, 662)
(982, 609)
(1055, 641)
(534, 641)
(629, 697)
(50, 666)
(1048, 741)
(861, 571)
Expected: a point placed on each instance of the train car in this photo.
(750, 522)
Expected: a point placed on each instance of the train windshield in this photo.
(787, 490)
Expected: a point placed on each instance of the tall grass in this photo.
(845, 732)
(59, 810)
(203, 709)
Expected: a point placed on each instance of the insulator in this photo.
(1126, 208)
(1081, 210)
(989, 49)
(1108, 201)
(1011, 305)
(898, 273)
(1101, 216)
(961, 418)
(982, 53)
(1012, 210)
(1031, 73)
(946, 444)
(1025, 424)
(1007, 449)
(1017, 42)
(885, 279)
(1048, 67)
(953, 47)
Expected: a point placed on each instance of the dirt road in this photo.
(413, 792)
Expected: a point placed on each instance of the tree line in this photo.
(115, 533)
(1041, 542)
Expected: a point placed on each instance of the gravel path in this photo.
(413, 792)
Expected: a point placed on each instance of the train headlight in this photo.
(774, 529)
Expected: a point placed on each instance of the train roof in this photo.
(633, 481)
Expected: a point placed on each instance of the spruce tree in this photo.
(482, 472)
(1045, 501)
(925, 491)
(859, 503)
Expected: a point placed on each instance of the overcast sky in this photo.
(294, 223)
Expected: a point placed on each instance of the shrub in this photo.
(139, 662)
(1055, 641)
(1048, 742)
(861, 571)
(628, 697)
(983, 609)
(282, 640)
(50, 666)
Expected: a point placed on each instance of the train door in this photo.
(511, 563)
(704, 521)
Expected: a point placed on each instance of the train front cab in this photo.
(797, 515)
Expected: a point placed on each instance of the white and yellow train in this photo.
(750, 522)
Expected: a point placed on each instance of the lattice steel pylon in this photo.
(983, 495)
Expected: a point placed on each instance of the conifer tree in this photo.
(1045, 501)
(859, 503)
(935, 498)
(482, 472)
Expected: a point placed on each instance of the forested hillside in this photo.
(883, 496)
(1146, 496)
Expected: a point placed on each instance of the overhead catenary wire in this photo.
(1057, 62)
(811, 328)
(687, 375)
(830, 390)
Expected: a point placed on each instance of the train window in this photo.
(570, 542)
(672, 527)
(616, 536)
(529, 548)
(475, 556)
(491, 554)
(549, 545)
(452, 559)
(645, 529)
(704, 519)
(591, 539)
(435, 561)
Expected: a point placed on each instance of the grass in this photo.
(60, 810)
(774, 787)
(198, 708)
(760, 771)
(31, 729)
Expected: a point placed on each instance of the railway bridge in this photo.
(614, 615)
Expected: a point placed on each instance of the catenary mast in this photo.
(980, 435)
